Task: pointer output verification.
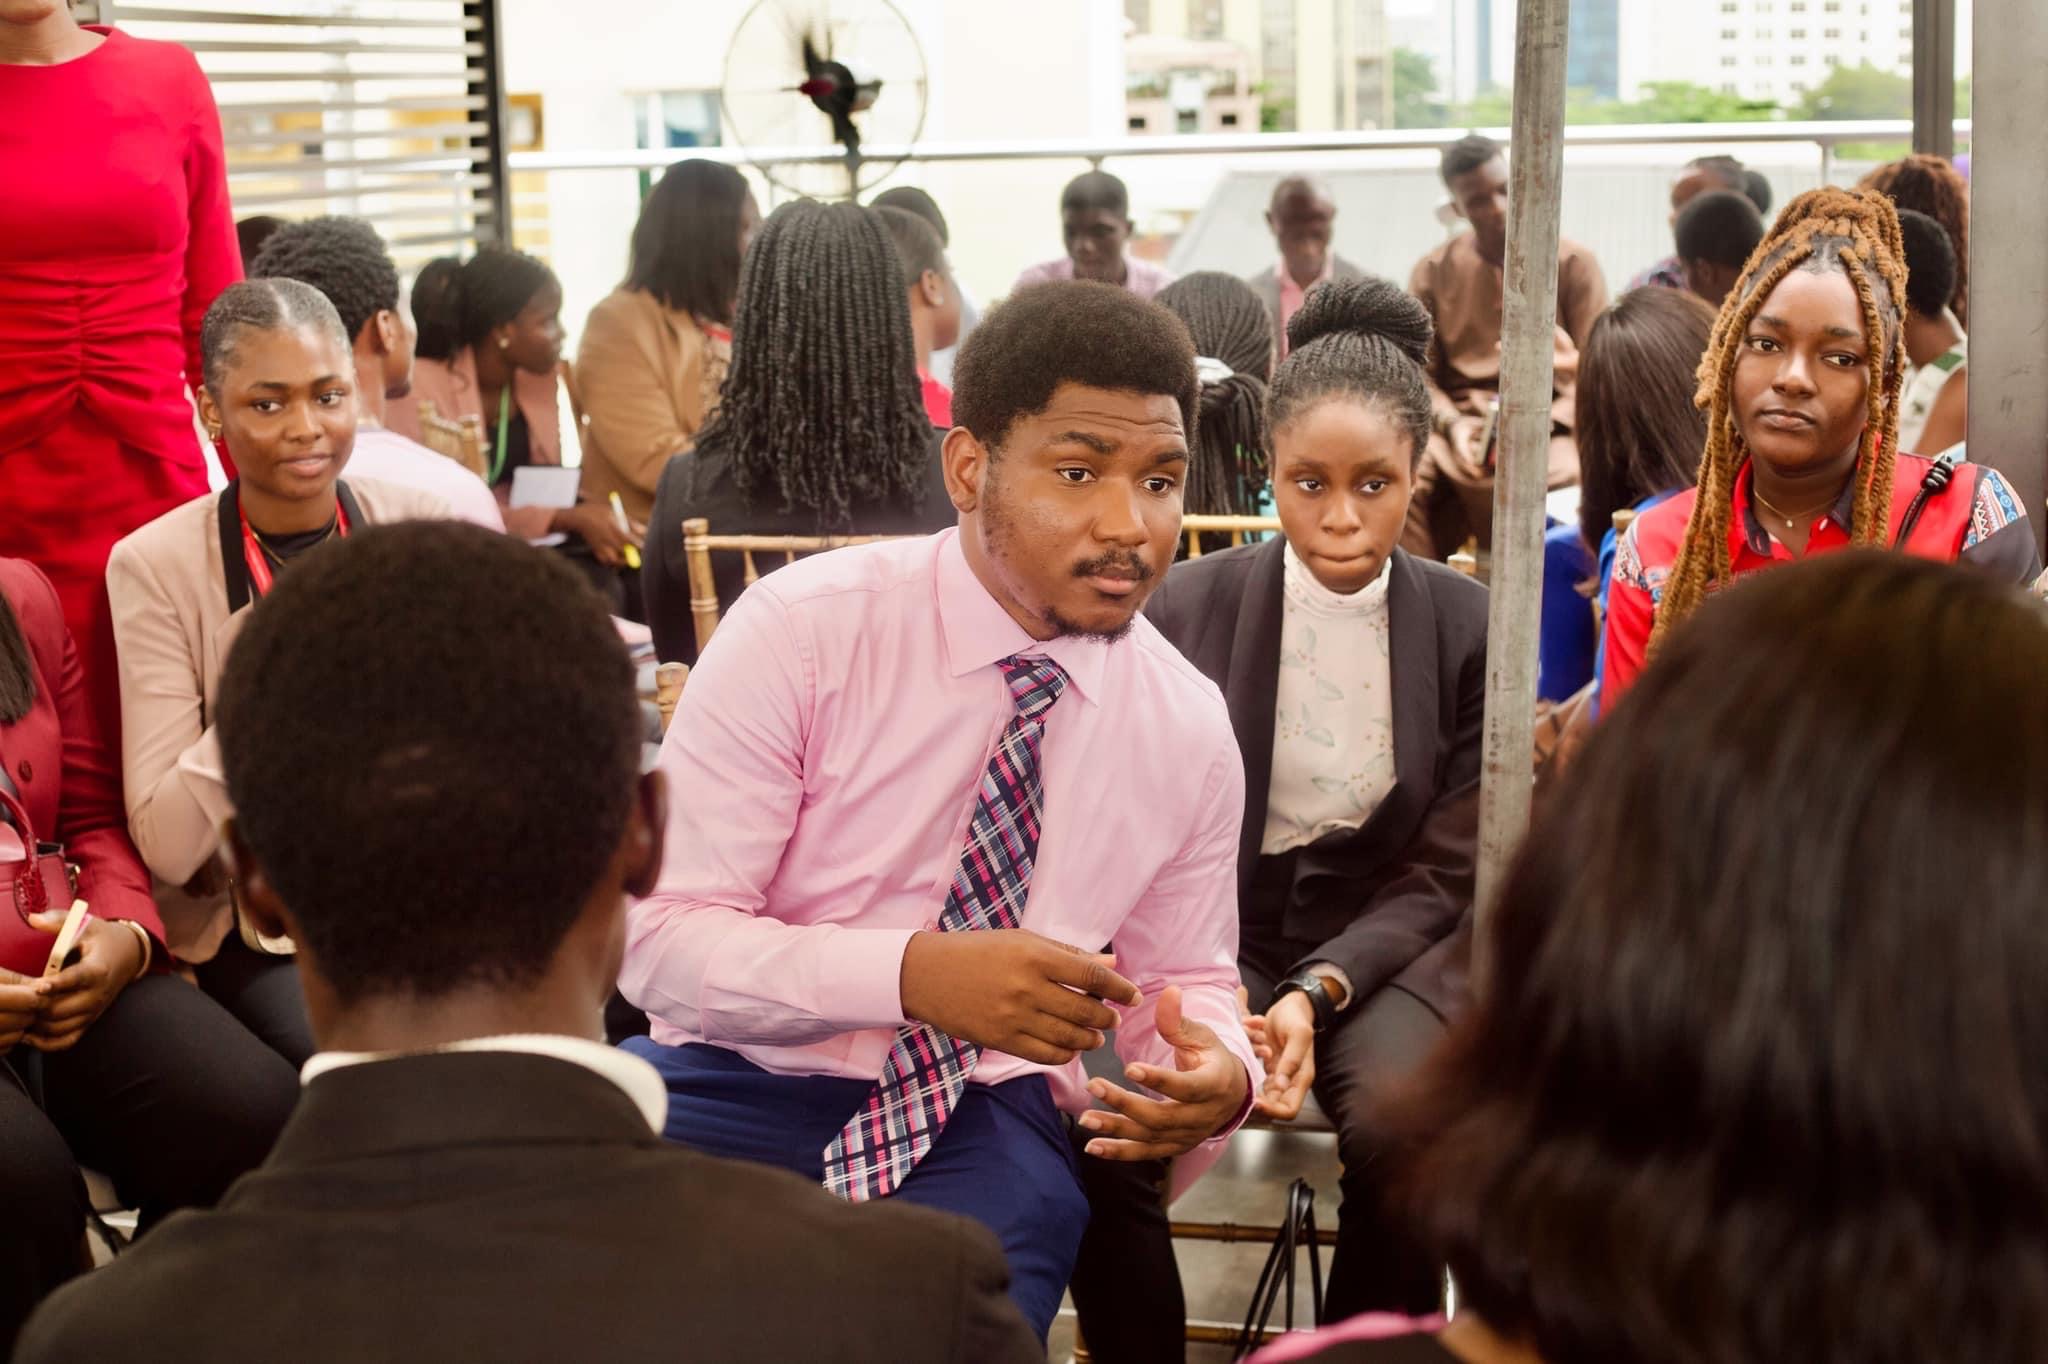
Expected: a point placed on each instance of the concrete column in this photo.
(1934, 77)
(2009, 250)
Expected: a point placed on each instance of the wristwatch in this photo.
(1310, 984)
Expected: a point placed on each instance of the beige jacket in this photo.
(172, 631)
(647, 377)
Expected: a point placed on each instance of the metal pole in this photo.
(2008, 344)
(1529, 322)
(487, 149)
(1934, 76)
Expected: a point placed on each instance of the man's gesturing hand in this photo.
(1011, 990)
(1205, 1091)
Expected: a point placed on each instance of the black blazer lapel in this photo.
(1251, 689)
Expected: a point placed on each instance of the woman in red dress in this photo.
(115, 235)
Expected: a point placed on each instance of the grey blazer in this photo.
(1266, 284)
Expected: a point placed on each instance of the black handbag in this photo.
(1297, 1230)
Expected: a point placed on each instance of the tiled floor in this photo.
(1248, 1186)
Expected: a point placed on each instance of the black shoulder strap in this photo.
(1938, 477)
(349, 508)
(234, 569)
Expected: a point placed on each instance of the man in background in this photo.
(1095, 219)
(1462, 284)
(1302, 218)
(1704, 175)
(1715, 234)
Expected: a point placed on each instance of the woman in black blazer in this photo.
(1355, 678)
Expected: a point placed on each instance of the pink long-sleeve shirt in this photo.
(822, 768)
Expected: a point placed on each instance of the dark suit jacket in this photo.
(1385, 900)
(699, 483)
(1266, 284)
(506, 1207)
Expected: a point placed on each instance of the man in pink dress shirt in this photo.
(825, 763)
(1095, 219)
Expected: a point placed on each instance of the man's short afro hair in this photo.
(1069, 332)
(432, 743)
(343, 258)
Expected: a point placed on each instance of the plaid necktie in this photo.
(927, 1069)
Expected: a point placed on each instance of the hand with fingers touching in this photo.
(1205, 1090)
(22, 1002)
(1011, 990)
(1286, 1037)
(109, 957)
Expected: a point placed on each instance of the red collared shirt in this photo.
(1977, 520)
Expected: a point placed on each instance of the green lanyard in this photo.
(504, 421)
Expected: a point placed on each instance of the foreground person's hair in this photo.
(1760, 1073)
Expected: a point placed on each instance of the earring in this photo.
(213, 433)
(504, 343)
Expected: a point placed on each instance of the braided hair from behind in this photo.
(821, 408)
(1231, 464)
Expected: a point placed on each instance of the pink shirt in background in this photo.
(1141, 277)
(1367, 1326)
(938, 399)
(1291, 294)
(821, 771)
(388, 457)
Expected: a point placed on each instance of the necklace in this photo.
(1788, 518)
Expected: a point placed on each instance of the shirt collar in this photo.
(641, 1082)
(1287, 279)
(980, 633)
(1753, 532)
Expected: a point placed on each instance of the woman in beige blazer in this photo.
(655, 351)
(279, 387)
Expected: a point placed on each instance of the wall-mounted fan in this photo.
(818, 74)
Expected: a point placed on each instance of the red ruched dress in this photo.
(115, 236)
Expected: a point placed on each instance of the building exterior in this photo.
(1320, 65)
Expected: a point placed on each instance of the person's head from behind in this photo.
(1703, 175)
(1639, 430)
(694, 229)
(280, 390)
(253, 233)
(1932, 185)
(345, 259)
(1233, 336)
(1074, 406)
(911, 199)
(1802, 376)
(1349, 414)
(1095, 221)
(1758, 1075)
(500, 302)
(1715, 233)
(1302, 217)
(933, 297)
(821, 408)
(1930, 265)
(1476, 174)
(433, 747)
(1757, 186)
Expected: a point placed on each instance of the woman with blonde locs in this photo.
(1801, 384)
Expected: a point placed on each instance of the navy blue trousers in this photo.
(1004, 1159)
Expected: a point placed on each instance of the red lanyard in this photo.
(258, 561)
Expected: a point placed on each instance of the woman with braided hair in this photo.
(490, 345)
(822, 426)
(1355, 675)
(1233, 336)
(1801, 385)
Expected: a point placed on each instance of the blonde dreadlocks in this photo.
(1856, 231)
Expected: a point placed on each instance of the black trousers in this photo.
(1126, 1286)
(165, 1093)
(262, 993)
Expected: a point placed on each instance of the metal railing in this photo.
(1827, 136)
